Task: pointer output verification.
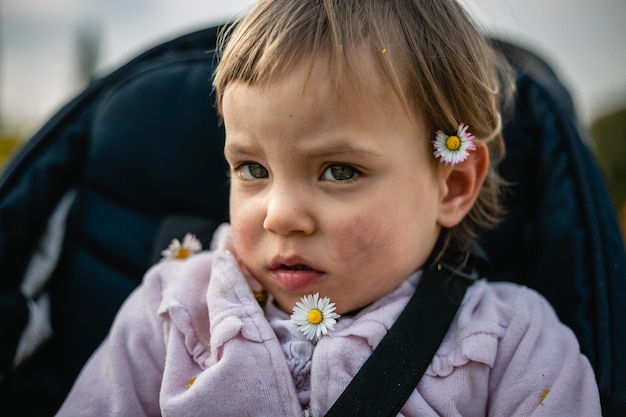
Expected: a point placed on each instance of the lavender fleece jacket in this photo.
(193, 341)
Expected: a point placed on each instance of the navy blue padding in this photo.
(561, 235)
(156, 144)
(143, 149)
(156, 150)
(11, 328)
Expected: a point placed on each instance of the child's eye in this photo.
(252, 171)
(340, 172)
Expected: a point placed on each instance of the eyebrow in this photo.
(335, 149)
(239, 149)
(342, 149)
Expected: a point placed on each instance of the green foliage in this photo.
(9, 143)
(609, 133)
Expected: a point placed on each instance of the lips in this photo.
(295, 274)
(298, 267)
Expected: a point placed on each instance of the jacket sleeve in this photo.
(539, 370)
(123, 376)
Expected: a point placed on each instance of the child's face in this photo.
(336, 196)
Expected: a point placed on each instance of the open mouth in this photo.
(294, 273)
(298, 267)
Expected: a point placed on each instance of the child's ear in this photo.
(460, 185)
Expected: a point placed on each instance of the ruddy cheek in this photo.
(360, 237)
(243, 235)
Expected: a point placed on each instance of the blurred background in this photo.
(50, 49)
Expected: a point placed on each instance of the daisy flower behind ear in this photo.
(454, 149)
(177, 250)
(314, 316)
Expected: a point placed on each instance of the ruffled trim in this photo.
(481, 348)
(178, 306)
(297, 351)
(475, 334)
(229, 317)
(184, 306)
(199, 350)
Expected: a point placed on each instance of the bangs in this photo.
(317, 31)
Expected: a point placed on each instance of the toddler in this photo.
(362, 138)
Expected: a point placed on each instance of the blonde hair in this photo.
(433, 56)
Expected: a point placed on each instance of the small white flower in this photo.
(177, 250)
(454, 149)
(314, 316)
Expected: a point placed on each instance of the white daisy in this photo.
(314, 316)
(177, 250)
(454, 149)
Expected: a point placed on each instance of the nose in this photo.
(289, 211)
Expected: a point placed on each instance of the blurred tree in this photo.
(88, 37)
(9, 143)
(609, 134)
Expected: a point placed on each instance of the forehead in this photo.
(305, 109)
(308, 82)
(356, 78)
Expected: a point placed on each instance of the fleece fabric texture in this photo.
(192, 340)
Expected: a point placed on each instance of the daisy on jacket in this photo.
(314, 316)
(454, 149)
(177, 250)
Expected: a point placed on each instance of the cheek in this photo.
(403, 234)
(360, 237)
(243, 223)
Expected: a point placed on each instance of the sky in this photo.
(583, 40)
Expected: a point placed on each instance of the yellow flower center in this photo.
(315, 316)
(183, 253)
(453, 143)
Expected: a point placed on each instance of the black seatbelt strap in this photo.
(389, 376)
